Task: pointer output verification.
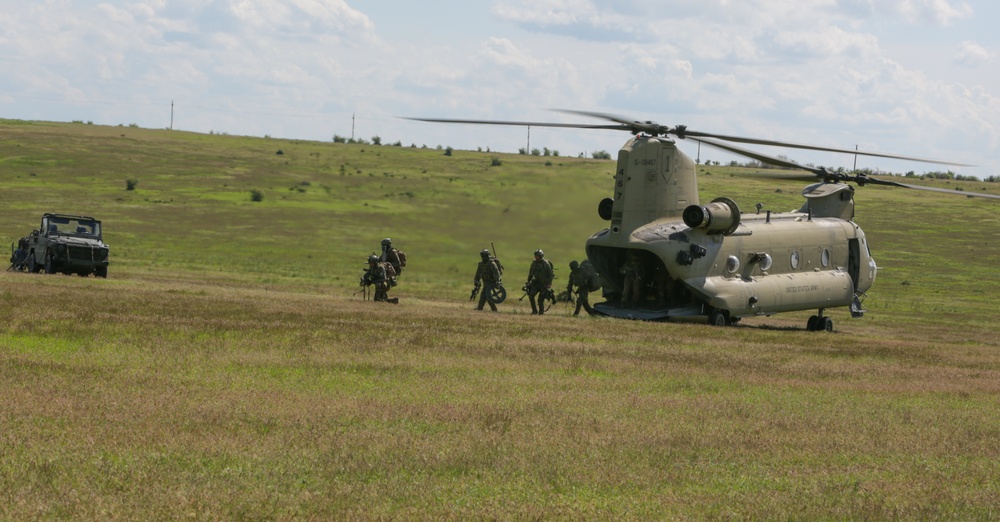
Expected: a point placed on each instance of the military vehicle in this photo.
(687, 259)
(64, 243)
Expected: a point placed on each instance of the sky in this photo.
(912, 77)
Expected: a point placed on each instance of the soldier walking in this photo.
(488, 275)
(540, 276)
(581, 279)
(393, 256)
(382, 276)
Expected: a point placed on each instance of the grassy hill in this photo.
(224, 370)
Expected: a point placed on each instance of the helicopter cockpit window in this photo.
(794, 259)
(732, 264)
(825, 257)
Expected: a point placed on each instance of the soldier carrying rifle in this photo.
(488, 273)
(540, 276)
(382, 276)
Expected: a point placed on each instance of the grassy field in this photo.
(225, 370)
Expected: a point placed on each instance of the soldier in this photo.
(632, 270)
(579, 278)
(382, 276)
(19, 259)
(540, 276)
(392, 256)
(488, 274)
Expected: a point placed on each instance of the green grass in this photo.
(224, 370)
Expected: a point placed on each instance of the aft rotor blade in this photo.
(771, 160)
(878, 181)
(521, 123)
(738, 139)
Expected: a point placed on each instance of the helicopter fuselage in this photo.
(771, 263)
(665, 255)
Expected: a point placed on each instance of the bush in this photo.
(256, 196)
(495, 162)
(130, 184)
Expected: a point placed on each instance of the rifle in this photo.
(551, 296)
(475, 292)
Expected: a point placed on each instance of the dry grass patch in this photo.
(227, 401)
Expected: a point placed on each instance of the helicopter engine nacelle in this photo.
(721, 216)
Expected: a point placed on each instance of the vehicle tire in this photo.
(32, 265)
(50, 267)
(717, 318)
(828, 324)
(101, 271)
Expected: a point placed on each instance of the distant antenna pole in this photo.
(855, 159)
(171, 114)
(698, 161)
(528, 150)
(352, 126)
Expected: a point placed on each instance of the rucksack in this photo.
(499, 264)
(402, 257)
(390, 271)
(593, 278)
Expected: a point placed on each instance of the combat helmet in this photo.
(485, 254)
(573, 265)
(372, 259)
(539, 253)
(386, 242)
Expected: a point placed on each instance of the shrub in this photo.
(256, 196)
(130, 184)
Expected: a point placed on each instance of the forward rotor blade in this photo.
(878, 181)
(635, 126)
(521, 123)
(754, 141)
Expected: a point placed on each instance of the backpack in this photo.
(593, 278)
(390, 271)
(499, 264)
(402, 258)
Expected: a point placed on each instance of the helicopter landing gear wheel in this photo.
(718, 318)
(811, 323)
(819, 323)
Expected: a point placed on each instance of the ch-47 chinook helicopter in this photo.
(666, 256)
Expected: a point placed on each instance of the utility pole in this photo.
(352, 126)
(528, 150)
(171, 114)
(855, 159)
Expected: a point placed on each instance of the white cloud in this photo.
(973, 54)
(901, 75)
(943, 12)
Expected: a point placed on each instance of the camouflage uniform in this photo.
(378, 276)
(487, 274)
(633, 272)
(540, 277)
(391, 255)
(579, 278)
